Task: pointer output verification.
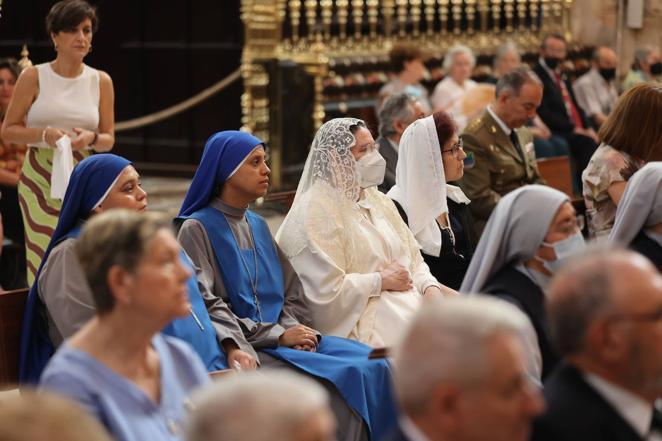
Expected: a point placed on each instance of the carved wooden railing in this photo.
(344, 43)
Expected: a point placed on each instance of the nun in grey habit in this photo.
(506, 263)
(638, 223)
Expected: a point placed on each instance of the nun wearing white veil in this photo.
(361, 268)
(638, 223)
(530, 233)
(430, 155)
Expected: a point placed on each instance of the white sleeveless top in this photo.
(65, 103)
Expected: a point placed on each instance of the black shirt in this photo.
(453, 260)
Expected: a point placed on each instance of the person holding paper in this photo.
(62, 109)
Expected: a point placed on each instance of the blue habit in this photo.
(89, 182)
(365, 384)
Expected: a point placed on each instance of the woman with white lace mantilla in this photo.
(255, 298)
(361, 267)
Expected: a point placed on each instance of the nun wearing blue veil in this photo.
(60, 301)
(256, 299)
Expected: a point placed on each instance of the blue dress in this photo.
(364, 384)
(125, 410)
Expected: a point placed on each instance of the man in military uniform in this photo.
(500, 155)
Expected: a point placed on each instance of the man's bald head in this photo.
(597, 283)
(605, 57)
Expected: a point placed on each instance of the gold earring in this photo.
(55, 46)
(90, 49)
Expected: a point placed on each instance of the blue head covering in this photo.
(224, 153)
(89, 182)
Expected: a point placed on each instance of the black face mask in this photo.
(656, 68)
(552, 63)
(608, 74)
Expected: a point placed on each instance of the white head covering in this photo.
(325, 207)
(516, 229)
(420, 184)
(640, 205)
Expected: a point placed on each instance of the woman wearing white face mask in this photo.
(530, 233)
(361, 268)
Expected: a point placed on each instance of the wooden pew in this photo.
(12, 306)
(557, 172)
(283, 197)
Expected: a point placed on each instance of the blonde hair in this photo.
(34, 416)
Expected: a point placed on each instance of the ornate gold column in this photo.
(262, 35)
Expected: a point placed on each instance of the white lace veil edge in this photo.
(330, 182)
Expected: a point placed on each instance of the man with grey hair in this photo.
(460, 374)
(596, 90)
(647, 67)
(265, 406)
(500, 153)
(605, 316)
(396, 114)
(506, 58)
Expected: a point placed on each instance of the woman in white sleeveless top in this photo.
(51, 100)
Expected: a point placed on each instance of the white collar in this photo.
(501, 124)
(455, 194)
(636, 411)
(410, 430)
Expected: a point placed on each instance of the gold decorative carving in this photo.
(402, 18)
(315, 34)
(25, 58)
(457, 16)
(415, 9)
(496, 16)
(443, 16)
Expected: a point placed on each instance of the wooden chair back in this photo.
(557, 172)
(12, 307)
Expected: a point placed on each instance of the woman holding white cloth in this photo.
(61, 98)
(431, 155)
(361, 268)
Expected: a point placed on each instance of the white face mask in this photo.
(563, 249)
(372, 168)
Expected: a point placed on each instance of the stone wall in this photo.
(595, 22)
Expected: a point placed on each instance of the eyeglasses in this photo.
(653, 316)
(455, 148)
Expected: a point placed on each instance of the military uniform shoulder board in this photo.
(474, 124)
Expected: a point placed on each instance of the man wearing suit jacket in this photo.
(396, 114)
(605, 316)
(460, 374)
(559, 109)
(500, 154)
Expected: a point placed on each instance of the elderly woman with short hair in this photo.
(118, 367)
(449, 94)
